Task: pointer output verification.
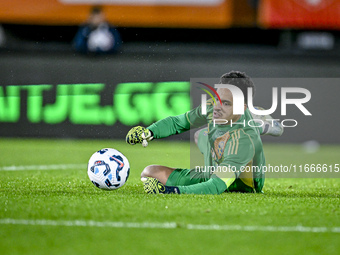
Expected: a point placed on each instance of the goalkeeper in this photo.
(233, 153)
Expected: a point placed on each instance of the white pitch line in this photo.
(169, 225)
(266, 228)
(82, 223)
(43, 167)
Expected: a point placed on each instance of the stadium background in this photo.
(48, 92)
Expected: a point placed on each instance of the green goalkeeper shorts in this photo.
(186, 177)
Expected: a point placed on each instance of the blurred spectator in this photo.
(96, 35)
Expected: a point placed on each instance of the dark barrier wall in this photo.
(101, 111)
(77, 95)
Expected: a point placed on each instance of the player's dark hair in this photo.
(240, 80)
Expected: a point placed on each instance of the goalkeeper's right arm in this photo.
(166, 127)
(170, 126)
(163, 128)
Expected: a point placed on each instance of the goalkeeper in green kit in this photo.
(233, 151)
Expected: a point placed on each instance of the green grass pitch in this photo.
(62, 212)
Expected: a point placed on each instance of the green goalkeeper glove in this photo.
(139, 135)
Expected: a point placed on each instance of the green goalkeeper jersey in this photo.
(236, 147)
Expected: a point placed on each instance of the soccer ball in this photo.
(108, 169)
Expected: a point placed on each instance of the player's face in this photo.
(225, 111)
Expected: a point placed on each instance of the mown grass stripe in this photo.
(43, 167)
(169, 225)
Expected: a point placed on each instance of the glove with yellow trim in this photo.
(139, 135)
